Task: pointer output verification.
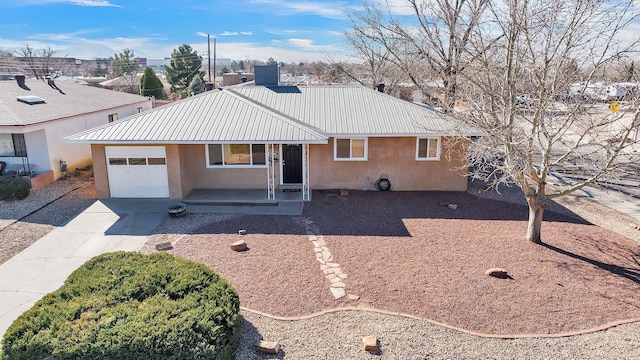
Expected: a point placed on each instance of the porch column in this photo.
(306, 190)
(271, 187)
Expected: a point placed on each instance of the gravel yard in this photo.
(282, 257)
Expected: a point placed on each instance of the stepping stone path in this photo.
(332, 272)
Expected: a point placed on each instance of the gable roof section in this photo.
(354, 110)
(68, 100)
(214, 116)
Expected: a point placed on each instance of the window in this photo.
(137, 161)
(117, 161)
(157, 161)
(241, 155)
(139, 110)
(350, 149)
(428, 148)
(113, 117)
(13, 145)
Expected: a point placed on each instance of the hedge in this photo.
(131, 306)
(12, 188)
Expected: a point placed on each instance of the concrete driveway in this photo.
(105, 226)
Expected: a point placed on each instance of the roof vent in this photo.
(381, 87)
(20, 79)
(31, 99)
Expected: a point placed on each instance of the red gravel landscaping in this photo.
(408, 252)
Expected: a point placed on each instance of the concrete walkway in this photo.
(106, 226)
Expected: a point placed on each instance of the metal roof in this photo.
(68, 100)
(352, 110)
(250, 113)
(214, 116)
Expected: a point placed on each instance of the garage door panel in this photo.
(131, 176)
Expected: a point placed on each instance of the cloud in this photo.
(283, 7)
(229, 33)
(248, 33)
(93, 3)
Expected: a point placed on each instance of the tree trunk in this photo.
(536, 210)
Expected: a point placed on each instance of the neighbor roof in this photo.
(68, 100)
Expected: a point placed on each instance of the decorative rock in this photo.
(333, 265)
(331, 277)
(326, 255)
(337, 292)
(354, 297)
(164, 246)
(452, 206)
(239, 245)
(321, 242)
(334, 279)
(242, 232)
(370, 343)
(498, 273)
(342, 276)
(338, 284)
(267, 347)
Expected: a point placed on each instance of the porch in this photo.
(241, 197)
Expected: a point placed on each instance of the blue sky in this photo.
(289, 31)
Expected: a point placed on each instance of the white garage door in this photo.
(137, 171)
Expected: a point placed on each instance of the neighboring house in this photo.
(271, 137)
(36, 115)
(125, 83)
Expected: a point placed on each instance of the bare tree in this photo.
(526, 90)
(377, 66)
(41, 62)
(431, 43)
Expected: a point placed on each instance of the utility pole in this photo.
(209, 54)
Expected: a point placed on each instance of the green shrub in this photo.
(131, 306)
(12, 188)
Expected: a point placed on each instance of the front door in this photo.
(292, 164)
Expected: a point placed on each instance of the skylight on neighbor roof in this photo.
(31, 99)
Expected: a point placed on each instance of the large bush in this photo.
(12, 188)
(131, 306)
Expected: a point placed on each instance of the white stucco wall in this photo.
(46, 145)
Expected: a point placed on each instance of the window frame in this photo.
(351, 158)
(438, 140)
(235, 166)
(18, 145)
(112, 117)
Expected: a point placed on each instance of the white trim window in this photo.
(236, 155)
(428, 148)
(350, 149)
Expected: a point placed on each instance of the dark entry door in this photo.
(292, 164)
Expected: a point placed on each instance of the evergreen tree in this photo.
(184, 66)
(124, 63)
(151, 85)
(196, 86)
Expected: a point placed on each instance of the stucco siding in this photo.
(394, 156)
(101, 179)
(196, 175)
